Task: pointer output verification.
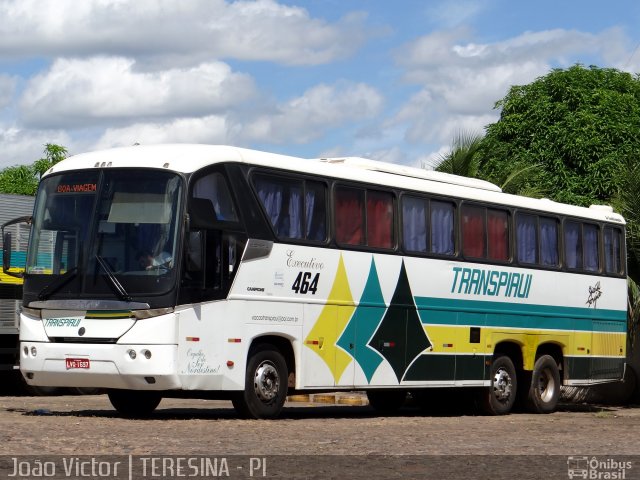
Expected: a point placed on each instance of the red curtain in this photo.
(379, 220)
(473, 237)
(498, 235)
(349, 216)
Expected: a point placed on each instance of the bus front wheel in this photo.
(266, 385)
(499, 398)
(134, 403)
(544, 391)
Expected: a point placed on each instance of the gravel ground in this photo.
(89, 425)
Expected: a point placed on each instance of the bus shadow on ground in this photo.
(292, 412)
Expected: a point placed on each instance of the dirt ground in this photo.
(88, 425)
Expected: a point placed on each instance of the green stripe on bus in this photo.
(440, 311)
(430, 367)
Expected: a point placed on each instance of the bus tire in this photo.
(387, 401)
(544, 390)
(499, 398)
(266, 385)
(134, 403)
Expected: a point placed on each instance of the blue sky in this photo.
(393, 81)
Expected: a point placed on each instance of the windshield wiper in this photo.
(57, 283)
(117, 286)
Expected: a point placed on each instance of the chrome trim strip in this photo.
(257, 249)
(88, 305)
(154, 312)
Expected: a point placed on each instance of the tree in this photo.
(23, 179)
(52, 154)
(580, 125)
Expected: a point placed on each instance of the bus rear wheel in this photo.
(499, 398)
(544, 391)
(134, 403)
(266, 385)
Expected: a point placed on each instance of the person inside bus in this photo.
(148, 261)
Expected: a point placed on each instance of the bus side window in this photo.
(572, 245)
(442, 227)
(380, 211)
(414, 224)
(591, 247)
(612, 253)
(549, 242)
(349, 215)
(527, 238)
(473, 232)
(296, 208)
(498, 230)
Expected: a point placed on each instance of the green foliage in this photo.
(19, 180)
(580, 125)
(23, 179)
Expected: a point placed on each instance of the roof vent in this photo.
(403, 170)
(602, 208)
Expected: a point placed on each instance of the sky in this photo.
(389, 80)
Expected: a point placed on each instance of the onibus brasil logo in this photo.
(597, 468)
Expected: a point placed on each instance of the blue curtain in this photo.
(442, 233)
(294, 227)
(526, 238)
(414, 224)
(548, 241)
(590, 247)
(612, 250)
(309, 203)
(315, 210)
(271, 197)
(572, 245)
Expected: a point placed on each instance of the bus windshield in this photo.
(105, 234)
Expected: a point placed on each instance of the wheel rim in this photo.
(266, 382)
(546, 385)
(502, 385)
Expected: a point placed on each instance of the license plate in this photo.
(77, 363)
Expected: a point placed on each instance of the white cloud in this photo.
(297, 121)
(98, 90)
(246, 30)
(211, 129)
(450, 14)
(7, 89)
(309, 116)
(21, 146)
(460, 81)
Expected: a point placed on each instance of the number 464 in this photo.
(304, 284)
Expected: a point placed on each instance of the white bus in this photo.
(219, 272)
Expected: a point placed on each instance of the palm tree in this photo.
(465, 158)
(462, 159)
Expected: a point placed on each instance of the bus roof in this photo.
(188, 158)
